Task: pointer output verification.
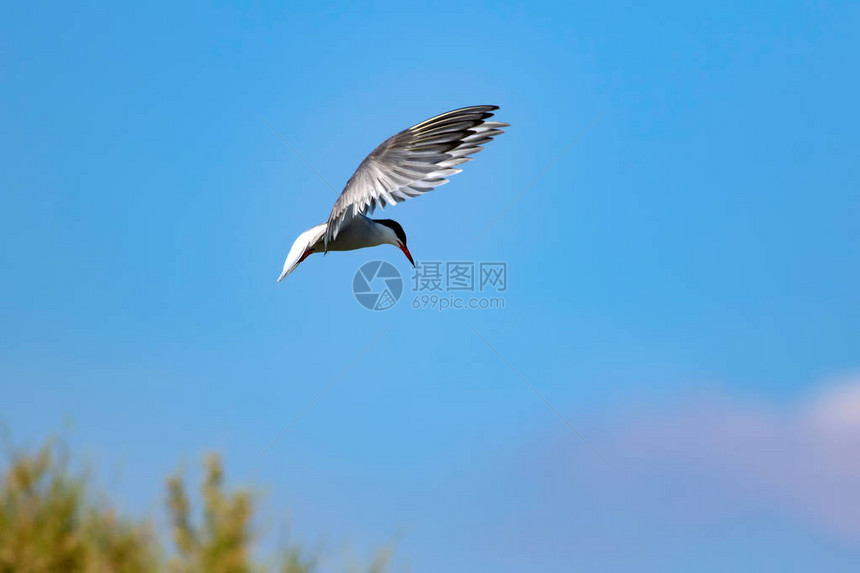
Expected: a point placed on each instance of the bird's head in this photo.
(395, 235)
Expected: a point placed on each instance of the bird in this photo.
(407, 164)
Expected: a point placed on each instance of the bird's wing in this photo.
(305, 241)
(413, 162)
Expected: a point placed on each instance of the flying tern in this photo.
(405, 165)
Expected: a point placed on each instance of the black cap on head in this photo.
(394, 226)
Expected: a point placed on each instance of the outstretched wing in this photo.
(413, 162)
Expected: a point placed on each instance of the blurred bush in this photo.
(50, 522)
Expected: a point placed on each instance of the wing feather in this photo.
(414, 162)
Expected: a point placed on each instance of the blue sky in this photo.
(683, 279)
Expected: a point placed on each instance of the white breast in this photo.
(361, 232)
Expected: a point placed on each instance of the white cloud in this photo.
(838, 409)
(803, 461)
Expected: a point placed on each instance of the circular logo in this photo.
(377, 285)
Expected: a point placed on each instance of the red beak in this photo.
(406, 252)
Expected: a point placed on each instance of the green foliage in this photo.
(221, 544)
(50, 523)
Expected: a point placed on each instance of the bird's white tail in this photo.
(305, 241)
